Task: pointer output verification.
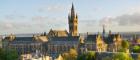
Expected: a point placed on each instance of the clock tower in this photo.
(73, 22)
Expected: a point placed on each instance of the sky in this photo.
(36, 16)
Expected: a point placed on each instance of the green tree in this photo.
(125, 44)
(8, 54)
(138, 57)
(2, 55)
(106, 58)
(87, 56)
(121, 56)
(11, 54)
(71, 55)
(136, 49)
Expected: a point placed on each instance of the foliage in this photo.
(8, 54)
(138, 41)
(65, 56)
(125, 44)
(87, 56)
(107, 58)
(71, 55)
(136, 49)
(121, 56)
(2, 54)
(138, 57)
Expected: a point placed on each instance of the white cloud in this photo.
(53, 8)
(133, 10)
(123, 20)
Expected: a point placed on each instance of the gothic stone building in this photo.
(24, 45)
(53, 43)
(59, 41)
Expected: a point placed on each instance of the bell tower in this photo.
(73, 22)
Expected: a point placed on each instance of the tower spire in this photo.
(72, 11)
(103, 30)
(73, 18)
(72, 6)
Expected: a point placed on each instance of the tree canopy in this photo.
(136, 49)
(8, 54)
(121, 56)
(125, 44)
(71, 55)
(87, 56)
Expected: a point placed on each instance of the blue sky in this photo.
(33, 16)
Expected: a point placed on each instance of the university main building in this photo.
(60, 41)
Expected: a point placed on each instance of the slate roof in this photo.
(69, 38)
(23, 40)
(110, 38)
(91, 38)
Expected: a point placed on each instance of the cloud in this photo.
(52, 8)
(97, 9)
(49, 22)
(87, 22)
(39, 18)
(8, 17)
(55, 8)
(14, 17)
(123, 20)
(132, 10)
(5, 25)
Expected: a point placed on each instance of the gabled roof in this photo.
(58, 33)
(23, 40)
(43, 38)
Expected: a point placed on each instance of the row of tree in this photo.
(91, 55)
